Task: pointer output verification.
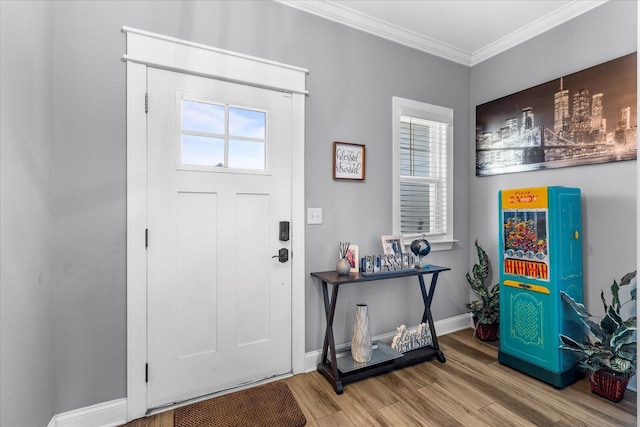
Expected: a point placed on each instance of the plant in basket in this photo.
(608, 352)
(486, 309)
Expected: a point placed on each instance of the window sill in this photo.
(436, 245)
(441, 245)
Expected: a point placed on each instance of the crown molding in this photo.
(336, 12)
(537, 27)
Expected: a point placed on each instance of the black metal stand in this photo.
(328, 365)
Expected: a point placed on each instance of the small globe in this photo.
(420, 247)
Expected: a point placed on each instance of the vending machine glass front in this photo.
(526, 251)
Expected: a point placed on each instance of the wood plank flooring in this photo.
(471, 389)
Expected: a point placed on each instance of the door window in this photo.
(221, 136)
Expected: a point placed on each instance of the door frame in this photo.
(145, 49)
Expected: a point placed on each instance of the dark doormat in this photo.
(270, 405)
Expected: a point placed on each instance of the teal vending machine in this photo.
(540, 254)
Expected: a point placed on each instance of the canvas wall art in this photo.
(582, 118)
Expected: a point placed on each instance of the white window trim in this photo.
(408, 107)
(145, 49)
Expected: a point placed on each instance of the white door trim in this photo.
(173, 54)
(147, 49)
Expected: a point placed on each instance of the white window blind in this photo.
(423, 172)
(423, 177)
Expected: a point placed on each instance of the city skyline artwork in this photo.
(582, 118)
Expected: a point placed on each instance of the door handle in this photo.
(283, 255)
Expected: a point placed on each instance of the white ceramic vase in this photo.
(361, 342)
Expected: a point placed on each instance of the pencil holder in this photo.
(343, 267)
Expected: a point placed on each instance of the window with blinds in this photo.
(423, 177)
(422, 188)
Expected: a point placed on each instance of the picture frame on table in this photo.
(392, 245)
(353, 257)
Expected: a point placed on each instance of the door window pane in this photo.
(202, 151)
(246, 155)
(247, 123)
(202, 117)
(221, 136)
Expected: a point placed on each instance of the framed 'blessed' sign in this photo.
(348, 161)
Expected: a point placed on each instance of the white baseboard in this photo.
(107, 414)
(443, 327)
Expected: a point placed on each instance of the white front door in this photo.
(219, 183)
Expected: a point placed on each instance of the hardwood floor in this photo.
(471, 389)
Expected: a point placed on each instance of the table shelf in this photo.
(339, 373)
(381, 354)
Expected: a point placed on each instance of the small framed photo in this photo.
(392, 245)
(353, 258)
(348, 161)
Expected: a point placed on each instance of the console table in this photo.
(328, 365)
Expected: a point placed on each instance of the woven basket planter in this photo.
(486, 332)
(609, 385)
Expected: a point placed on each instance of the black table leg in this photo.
(327, 310)
(426, 315)
(329, 344)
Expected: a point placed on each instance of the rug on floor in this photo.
(270, 404)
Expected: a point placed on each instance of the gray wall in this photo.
(609, 191)
(90, 194)
(351, 84)
(352, 79)
(26, 215)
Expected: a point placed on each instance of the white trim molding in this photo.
(145, 50)
(107, 414)
(334, 11)
(136, 251)
(168, 53)
(546, 23)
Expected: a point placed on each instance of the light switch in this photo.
(314, 215)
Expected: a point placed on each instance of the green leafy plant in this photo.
(610, 345)
(486, 309)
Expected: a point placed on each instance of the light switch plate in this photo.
(314, 215)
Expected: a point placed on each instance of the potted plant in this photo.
(609, 351)
(486, 309)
